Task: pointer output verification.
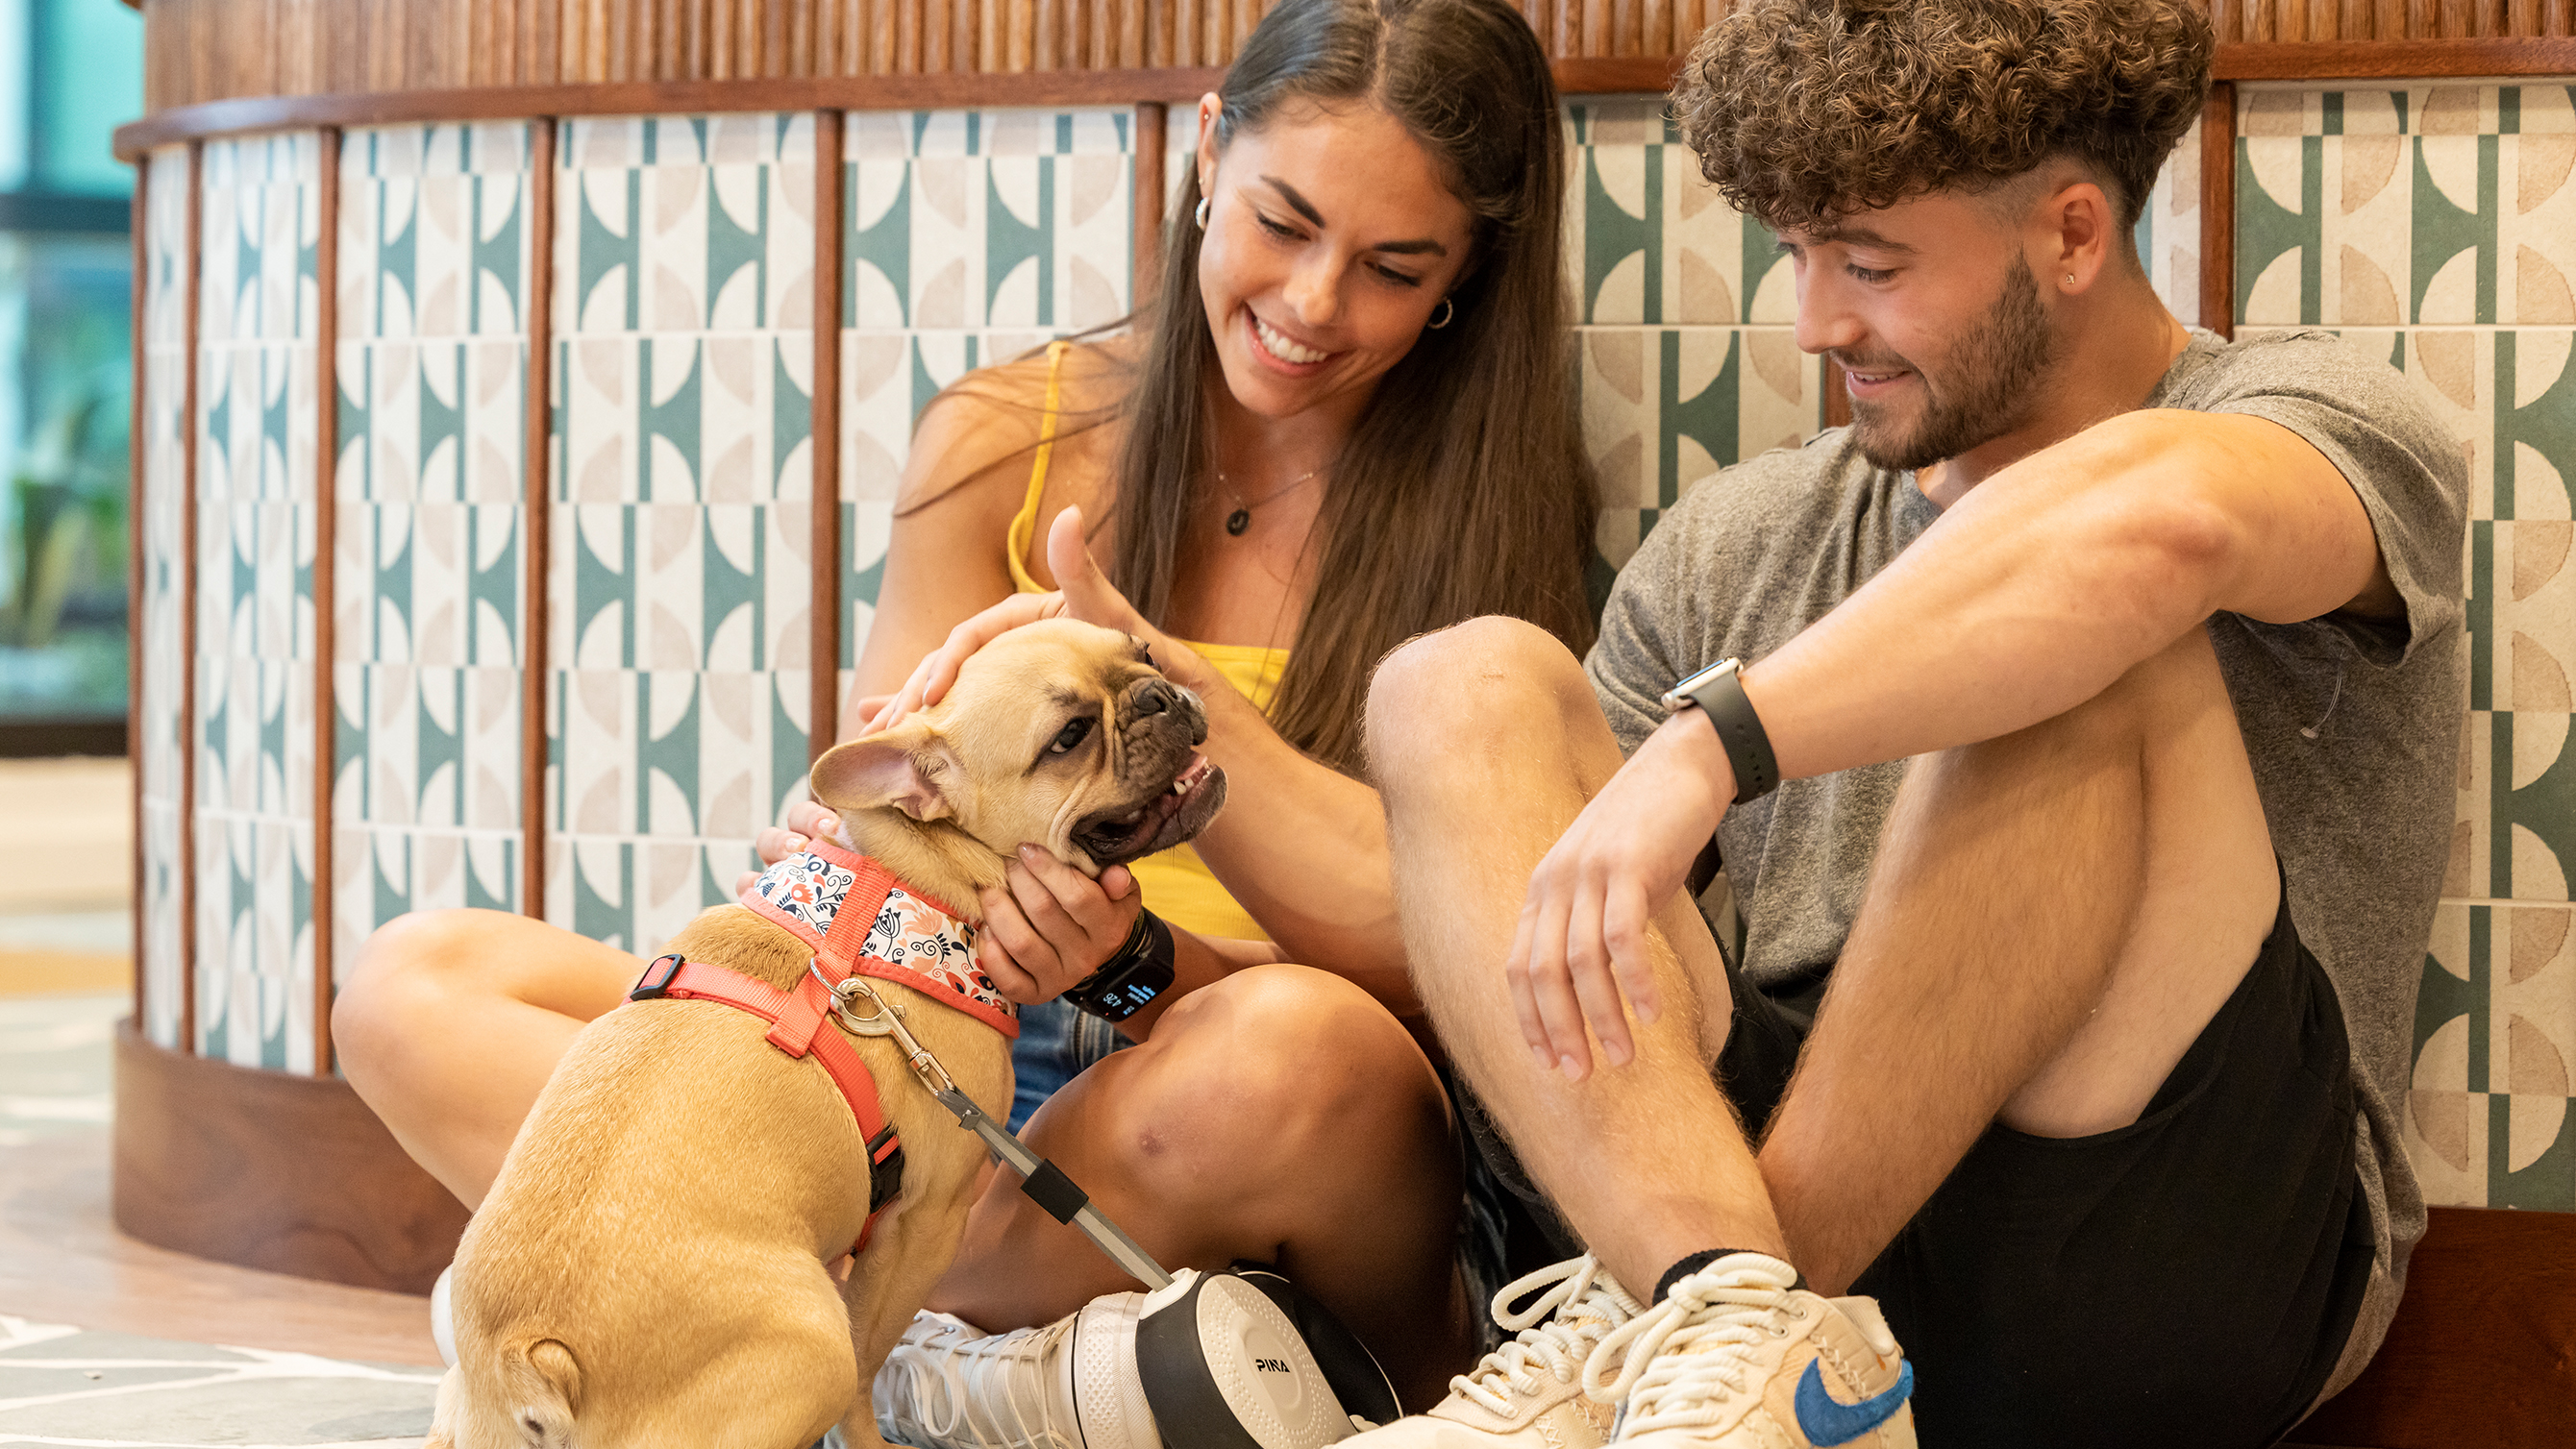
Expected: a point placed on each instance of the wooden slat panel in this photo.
(2218, 210)
(823, 546)
(204, 50)
(137, 499)
(188, 405)
(537, 456)
(326, 599)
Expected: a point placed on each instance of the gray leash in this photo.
(1044, 1182)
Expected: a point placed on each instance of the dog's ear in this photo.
(903, 768)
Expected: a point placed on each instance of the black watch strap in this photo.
(1129, 981)
(1720, 695)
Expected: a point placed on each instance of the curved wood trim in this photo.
(274, 1170)
(634, 98)
(2484, 57)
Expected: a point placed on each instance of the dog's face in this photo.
(1061, 734)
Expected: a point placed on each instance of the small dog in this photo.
(653, 1264)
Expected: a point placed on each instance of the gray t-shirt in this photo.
(2352, 725)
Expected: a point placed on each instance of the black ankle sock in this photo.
(1697, 1261)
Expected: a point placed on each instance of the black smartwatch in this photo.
(1718, 692)
(1129, 981)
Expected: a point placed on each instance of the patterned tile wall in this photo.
(2437, 226)
(1688, 359)
(432, 424)
(678, 598)
(971, 238)
(255, 501)
(164, 367)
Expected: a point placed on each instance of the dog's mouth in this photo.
(1159, 822)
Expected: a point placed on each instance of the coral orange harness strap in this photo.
(796, 1019)
(861, 921)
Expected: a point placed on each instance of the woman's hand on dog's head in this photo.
(1051, 928)
(1085, 592)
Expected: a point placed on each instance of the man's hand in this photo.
(1084, 592)
(1053, 926)
(1581, 945)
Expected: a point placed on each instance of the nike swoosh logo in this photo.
(1827, 1422)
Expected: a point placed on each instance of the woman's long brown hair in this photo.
(1464, 488)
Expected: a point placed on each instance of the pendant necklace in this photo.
(1241, 518)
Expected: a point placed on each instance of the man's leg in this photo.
(1486, 742)
(2052, 919)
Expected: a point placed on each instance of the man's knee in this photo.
(1454, 682)
(2145, 704)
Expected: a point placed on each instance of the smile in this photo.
(1279, 345)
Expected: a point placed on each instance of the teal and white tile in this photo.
(65, 1385)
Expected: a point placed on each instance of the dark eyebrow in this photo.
(1852, 236)
(1306, 209)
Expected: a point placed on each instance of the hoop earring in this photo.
(1448, 314)
(1200, 215)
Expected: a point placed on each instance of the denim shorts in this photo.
(1056, 1042)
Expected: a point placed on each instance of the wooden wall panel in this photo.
(203, 50)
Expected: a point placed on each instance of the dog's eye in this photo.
(1144, 652)
(1070, 736)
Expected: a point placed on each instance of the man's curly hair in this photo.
(1803, 111)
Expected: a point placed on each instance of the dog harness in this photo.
(860, 921)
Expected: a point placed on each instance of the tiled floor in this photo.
(142, 1369)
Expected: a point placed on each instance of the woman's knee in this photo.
(1275, 1064)
(402, 970)
(432, 966)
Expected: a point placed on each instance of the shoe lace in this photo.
(1553, 1332)
(948, 1377)
(1683, 1359)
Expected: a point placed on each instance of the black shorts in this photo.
(2187, 1279)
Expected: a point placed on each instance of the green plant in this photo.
(68, 515)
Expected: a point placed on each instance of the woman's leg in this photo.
(452, 1021)
(1279, 1115)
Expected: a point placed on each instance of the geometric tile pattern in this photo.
(432, 357)
(678, 593)
(255, 505)
(2436, 226)
(1688, 359)
(163, 369)
(970, 237)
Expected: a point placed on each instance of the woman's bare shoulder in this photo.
(986, 426)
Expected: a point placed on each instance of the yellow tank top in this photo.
(1178, 885)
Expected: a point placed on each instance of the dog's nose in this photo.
(1153, 697)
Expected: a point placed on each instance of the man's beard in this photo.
(1993, 385)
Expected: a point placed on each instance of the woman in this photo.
(1348, 424)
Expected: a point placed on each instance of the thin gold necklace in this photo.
(1241, 518)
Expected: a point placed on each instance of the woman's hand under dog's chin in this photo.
(1085, 593)
(1050, 927)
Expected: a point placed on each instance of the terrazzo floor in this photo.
(64, 1384)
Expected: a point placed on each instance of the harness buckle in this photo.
(652, 986)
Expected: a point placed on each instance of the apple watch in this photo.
(1718, 691)
(1128, 981)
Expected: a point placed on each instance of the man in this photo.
(2110, 676)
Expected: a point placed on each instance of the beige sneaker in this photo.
(1735, 1357)
(1530, 1390)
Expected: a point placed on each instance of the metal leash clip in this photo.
(886, 1019)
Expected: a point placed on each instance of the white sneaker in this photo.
(442, 1316)
(1736, 1358)
(1071, 1384)
(1530, 1390)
